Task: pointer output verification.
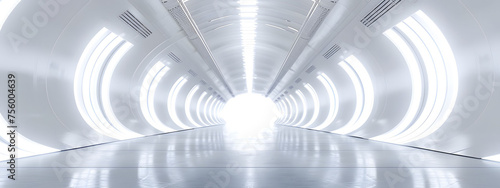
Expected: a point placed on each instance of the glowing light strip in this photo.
(334, 100)
(280, 112)
(188, 105)
(210, 111)
(105, 91)
(365, 97)
(148, 90)
(290, 113)
(214, 111)
(205, 109)
(417, 85)
(442, 76)
(296, 109)
(304, 107)
(198, 108)
(315, 103)
(248, 14)
(283, 111)
(102, 54)
(172, 101)
(6, 8)
(217, 111)
(493, 158)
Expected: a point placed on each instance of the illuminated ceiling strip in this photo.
(148, 91)
(493, 158)
(105, 49)
(417, 85)
(304, 107)
(172, 102)
(333, 99)
(442, 76)
(315, 103)
(198, 108)
(188, 105)
(248, 24)
(365, 97)
(6, 8)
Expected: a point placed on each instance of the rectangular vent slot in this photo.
(135, 24)
(210, 88)
(298, 80)
(174, 57)
(291, 87)
(203, 82)
(282, 95)
(192, 73)
(332, 51)
(310, 69)
(379, 11)
(286, 92)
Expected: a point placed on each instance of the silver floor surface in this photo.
(278, 157)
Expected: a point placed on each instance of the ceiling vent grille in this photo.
(310, 69)
(174, 57)
(210, 88)
(309, 32)
(135, 24)
(298, 80)
(192, 73)
(182, 20)
(286, 92)
(332, 51)
(380, 10)
(203, 82)
(291, 87)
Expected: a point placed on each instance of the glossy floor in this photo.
(273, 157)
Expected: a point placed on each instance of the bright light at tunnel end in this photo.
(249, 113)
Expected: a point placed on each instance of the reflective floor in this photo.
(272, 158)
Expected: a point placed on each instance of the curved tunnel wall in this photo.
(418, 78)
(88, 74)
(84, 79)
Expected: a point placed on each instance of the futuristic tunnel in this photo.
(350, 93)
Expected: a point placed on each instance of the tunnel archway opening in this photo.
(249, 114)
